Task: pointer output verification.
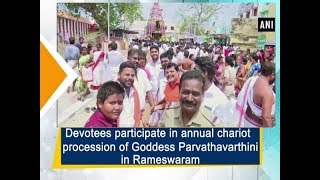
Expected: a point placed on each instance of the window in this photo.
(248, 14)
(172, 28)
(255, 12)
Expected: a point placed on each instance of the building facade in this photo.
(248, 10)
(68, 25)
(255, 11)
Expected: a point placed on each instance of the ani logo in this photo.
(266, 24)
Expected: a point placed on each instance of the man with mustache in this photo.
(131, 114)
(141, 81)
(256, 101)
(188, 112)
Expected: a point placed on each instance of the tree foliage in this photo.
(197, 15)
(189, 25)
(99, 11)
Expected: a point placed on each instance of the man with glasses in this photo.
(188, 112)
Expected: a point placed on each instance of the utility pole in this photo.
(108, 20)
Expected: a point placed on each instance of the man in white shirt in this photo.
(213, 96)
(193, 51)
(197, 51)
(154, 68)
(180, 55)
(162, 82)
(171, 56)
(131, 114)
(114, 59)
(141, 81)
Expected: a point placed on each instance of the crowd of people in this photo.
(184, 84)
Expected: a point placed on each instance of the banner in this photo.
(261, 41)
(160, 146)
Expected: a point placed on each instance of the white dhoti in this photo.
(245, 107)
(72, 63)
(242, 101)
(98, 74)
(113, 71)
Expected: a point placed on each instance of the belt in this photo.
(254, 119)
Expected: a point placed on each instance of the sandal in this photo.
(87, 109)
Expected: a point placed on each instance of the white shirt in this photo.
(231, 52)
(165, 47)
(214, 97)
(180, 56)
(193, 51)
(197, 51)
(161, 50)
(154, 69)
(235, 48)
(135, 47)
(96, 55)
(174, 60)
(115, 58)
(142, 85)
(162, 82)
(230, 73)
(203, 54)
(224, 48)
(127, 114)
(215, 57)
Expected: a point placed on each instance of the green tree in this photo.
(198, 15)
(99, 11)
(189, 25)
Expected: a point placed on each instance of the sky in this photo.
(170, 13)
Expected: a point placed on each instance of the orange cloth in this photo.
(172, 92)
(137, 110)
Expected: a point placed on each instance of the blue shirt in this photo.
(79, 46)
(71, 52)
(254, 67)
